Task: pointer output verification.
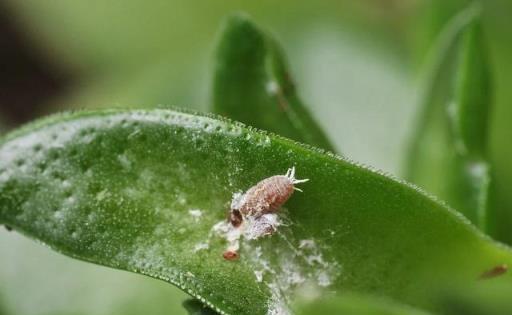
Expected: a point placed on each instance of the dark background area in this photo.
(27, 79)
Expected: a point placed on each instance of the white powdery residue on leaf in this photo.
(284, 267)
(477, 169)
(262, 226)
(102, 195)
(324, 279)
(134, 133)
(237, 200)
(257, 252)
(272, 87)
(280, 262)
(221, 228)
(201, 246)
(295, 277)
(224, 230)
(308, 244)
(315, 259)
(278, 307)
(259, 275)
(196, 214)
(124, 161)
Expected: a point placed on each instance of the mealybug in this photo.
(253, 214)
(267, 196)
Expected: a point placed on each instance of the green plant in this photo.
(141, 190)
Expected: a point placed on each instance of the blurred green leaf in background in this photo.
(139, 55)
(449, 152)
(495, 26)
(253, 85)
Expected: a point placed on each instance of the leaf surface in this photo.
(355, 304)
(141, 191)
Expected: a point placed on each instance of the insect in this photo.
(254, 212)
(267, 196)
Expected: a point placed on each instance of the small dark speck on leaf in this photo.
(494, 272)
(230, 255)
(8, 228)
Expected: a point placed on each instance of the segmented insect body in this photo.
(253, 214)
(267, 196)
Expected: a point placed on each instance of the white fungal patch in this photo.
(283, 264)
(309, 244)
(477, 169)
(259, 275)
(201, 246)
(196, 214)
(102, 195)
(238, 200)
(315, 259)
(324, 279)
(265, 225)
(286, 269)
(272, 87)
(124, 161)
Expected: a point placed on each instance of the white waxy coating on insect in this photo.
(255, 228)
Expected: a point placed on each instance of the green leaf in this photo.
(355, 304)
(141, 191)
(253, 85)
(473, 93)
(196, 307)
(430, 20)
(449, 152)
(483, 298)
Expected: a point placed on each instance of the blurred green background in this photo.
(357, 65)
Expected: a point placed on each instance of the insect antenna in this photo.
(298, 181)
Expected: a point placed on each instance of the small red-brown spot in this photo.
(494, 272)
(230, 255)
